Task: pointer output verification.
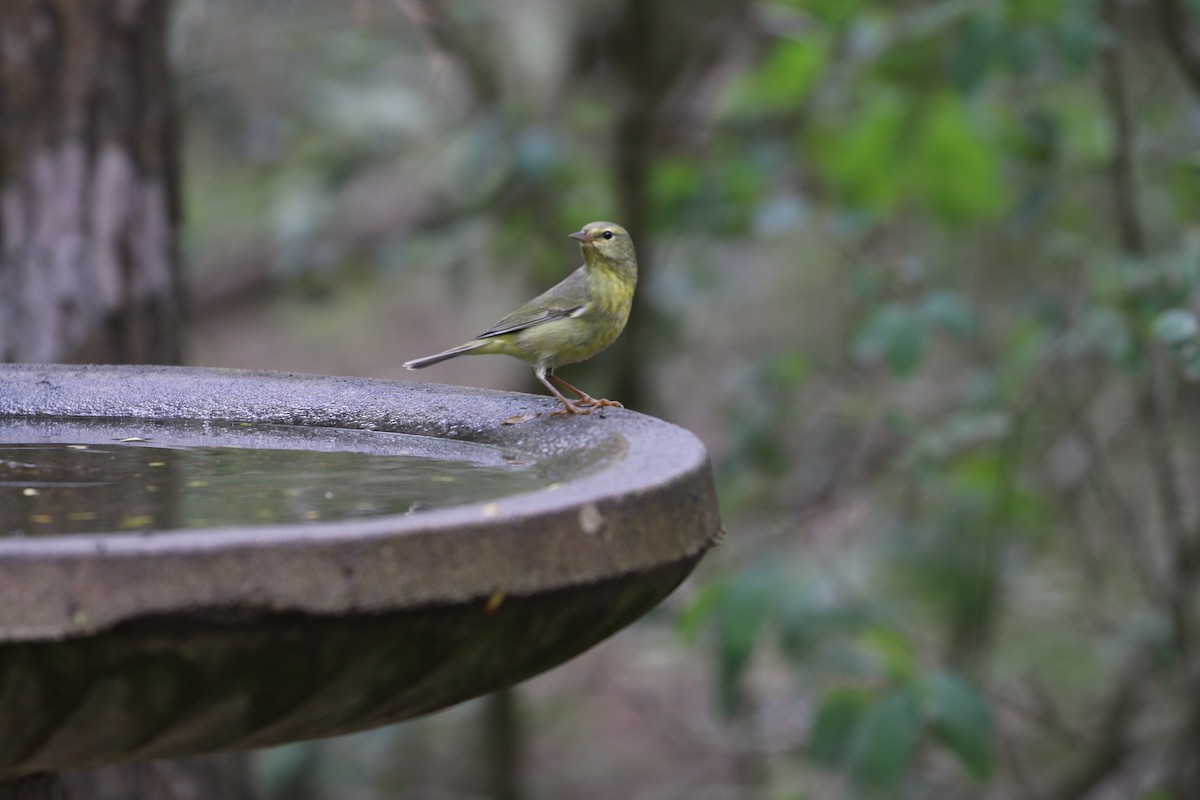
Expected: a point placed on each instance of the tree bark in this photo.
(88, 183)
(89, 267)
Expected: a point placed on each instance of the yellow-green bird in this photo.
(570, 322)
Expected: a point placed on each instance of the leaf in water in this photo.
(885, 739)
(962, 722)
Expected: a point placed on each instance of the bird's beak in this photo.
(581, 236)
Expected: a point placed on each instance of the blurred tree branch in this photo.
(503, 744)
(449, 40)
(1109, 492)
(1114, 92)
(1155, 403)
(1178, 32)
(1177, 600)
(663, 48)
(1109, 746)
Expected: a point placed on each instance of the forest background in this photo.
(923, 277)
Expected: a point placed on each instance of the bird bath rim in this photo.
(651, 504)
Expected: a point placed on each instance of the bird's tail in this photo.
(419, 363)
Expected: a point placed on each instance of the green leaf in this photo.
(789, 369)
(958, 172)
(910, 61)
(975, 50)
(1185, 187)
(895, 333)
(1077, 37)
(1176, 326)
(893, 650)
(834, 725)
(675, 180)
(1157, 794)
(1178, 329)
(740, 614)
(692, 618)
(956, 433)
(800, 623)
(861, 157)
(1105, 330)
(885, 739)
(1034, 11)
(810, 626)
(784, 79)
(950, 312)
(962, 721)
(832, 12)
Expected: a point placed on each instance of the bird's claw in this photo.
(587, 401)
(572, 408)
(585, 405)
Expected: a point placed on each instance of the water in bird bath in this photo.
(72, 476)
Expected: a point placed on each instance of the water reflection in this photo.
(57, 487)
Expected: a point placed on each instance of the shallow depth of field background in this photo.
(921, 275)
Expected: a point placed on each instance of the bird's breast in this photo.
(571, 339)
(592, 327)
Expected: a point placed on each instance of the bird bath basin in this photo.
(205, 560)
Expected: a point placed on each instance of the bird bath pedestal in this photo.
(139, 619)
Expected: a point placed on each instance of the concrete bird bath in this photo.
(139, 623)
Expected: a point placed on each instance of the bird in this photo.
(568, 323)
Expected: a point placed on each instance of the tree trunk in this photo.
(88, 183)
(89, 271)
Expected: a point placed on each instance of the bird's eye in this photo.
(607, 234)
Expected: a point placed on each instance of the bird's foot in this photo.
(585, 405)
(587, 401)
(517, 419)
(576, 407)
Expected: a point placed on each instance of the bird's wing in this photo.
(562, 300)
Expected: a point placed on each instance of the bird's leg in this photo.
(571, 407)
(585, 399)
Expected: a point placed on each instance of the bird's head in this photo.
(605, 240)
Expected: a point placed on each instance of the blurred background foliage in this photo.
(923, 277)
